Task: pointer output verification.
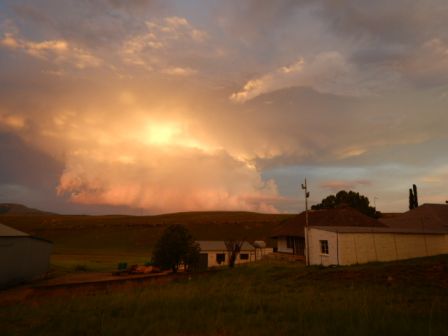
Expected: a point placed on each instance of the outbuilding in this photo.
(22, 257)
(330, 245)
(215, 254)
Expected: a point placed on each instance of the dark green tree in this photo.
(413, 197)
(350, 198)
(411, 200)
(176, 246)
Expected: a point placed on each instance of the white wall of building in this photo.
(358, 248)
(282, 245)
(316, 256)
(23, 259)
(261, 252)
(213, 263)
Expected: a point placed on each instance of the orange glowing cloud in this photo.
(146, 157)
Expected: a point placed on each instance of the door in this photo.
(203, 261)
(299, 246)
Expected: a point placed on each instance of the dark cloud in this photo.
(398, 22)
(22, 164)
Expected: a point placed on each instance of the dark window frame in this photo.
(220, 258)
(324, 247)
(245, 255)
(289, 242)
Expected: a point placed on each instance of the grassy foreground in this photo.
(266, 298)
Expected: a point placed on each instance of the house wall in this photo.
(212, 258)
(358, 248)
(23, 259)
(281, 246)
(261, 252)
(316, 257)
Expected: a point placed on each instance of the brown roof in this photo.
(219, 245)
(426, 216)
(358, 229)
(344, 216)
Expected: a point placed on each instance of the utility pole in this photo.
(307, 194)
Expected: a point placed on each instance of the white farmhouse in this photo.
(22, 257)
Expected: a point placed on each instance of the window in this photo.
(290, 242)
(220, 257)
(244, 256)
(324, 246)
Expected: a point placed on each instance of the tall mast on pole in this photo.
(307, 194)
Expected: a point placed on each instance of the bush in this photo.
(81, 268)
(176, 246)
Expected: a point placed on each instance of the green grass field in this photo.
(265, 298)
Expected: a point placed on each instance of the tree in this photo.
(176, 246)
(413, 197)
(233, 250)
(350, 198)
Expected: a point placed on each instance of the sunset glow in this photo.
(161, 106)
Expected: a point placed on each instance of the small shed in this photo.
(22, 257)
(214, 253)
(330, 245)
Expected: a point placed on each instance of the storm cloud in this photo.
(178, 105)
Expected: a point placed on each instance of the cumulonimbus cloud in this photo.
(174, 180)
(145, 160)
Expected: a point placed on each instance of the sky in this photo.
(156, 106)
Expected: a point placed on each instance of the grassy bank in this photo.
(267, 298)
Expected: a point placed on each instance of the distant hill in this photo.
(118, 234)
(20, 209)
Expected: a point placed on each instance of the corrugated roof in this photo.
(6, 231)
(344, 216)
(357, 229)
(219, 245)
(426, 216)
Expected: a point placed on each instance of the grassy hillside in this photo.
(135, 234)
(266, 298)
